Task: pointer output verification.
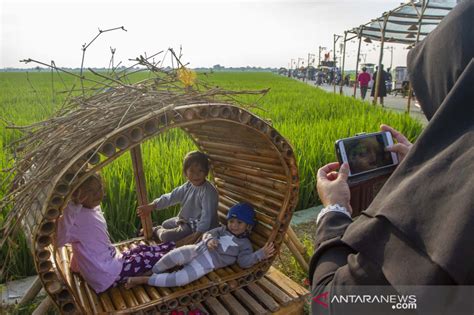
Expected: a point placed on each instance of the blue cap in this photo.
(242, 211)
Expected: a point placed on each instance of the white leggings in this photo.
(195, 265)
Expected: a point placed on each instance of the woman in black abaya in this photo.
(417, 236)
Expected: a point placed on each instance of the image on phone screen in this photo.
(367, 153)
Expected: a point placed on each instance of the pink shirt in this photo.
(94, 255)
(364, 78)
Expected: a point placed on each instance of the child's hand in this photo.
(213, 244)
(145, 210)
(268, 250)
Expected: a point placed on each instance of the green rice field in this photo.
(310, 119)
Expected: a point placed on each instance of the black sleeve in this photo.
(331, 253)
(337, 268)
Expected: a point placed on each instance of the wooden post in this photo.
(44, 306)
(142, 199)
(297, 248)
(410, 92)
(32, 291)
(357, 62)
(420, 18)
(379, 70)
(343, 62)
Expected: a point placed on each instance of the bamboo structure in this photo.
(250, 162)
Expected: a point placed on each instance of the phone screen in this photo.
(366, 153)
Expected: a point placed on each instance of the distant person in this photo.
(363, 78)
(382, 90)
(388, 80)
(347, 79)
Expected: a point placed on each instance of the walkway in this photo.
(391, 102)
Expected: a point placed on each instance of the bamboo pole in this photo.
(68, 308)
(205, 294)
(117, 299)
(251, 186)
(298, 256)
(221, 273)
(43, 307)
(251, 195)
(185, 299)
(262, 230)
(44, 266)
(236, 268)
(196, 296)
(343, 62)
(32, 291)
(100, 303)
(141, 295)
(227, 159)
(162, 308)
(242, 134)
(152, 292)
(273, 184)
(380, 72)
(420, 18)
(53, 287)
(141, 188)
(357, 61)
(224, 288)
(214, 277)
(258, 240)
(82, 294)
(65, 264)
(256, 201)
(49, 276)
(290, 233)
(244, 156)
(259, 273)
(172, 304)
(250, 171)
(240, 148)
(214, 290)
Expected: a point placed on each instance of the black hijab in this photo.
(420, 227)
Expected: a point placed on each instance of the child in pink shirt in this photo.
(83, 226)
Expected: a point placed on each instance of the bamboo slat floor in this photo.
(274, 293)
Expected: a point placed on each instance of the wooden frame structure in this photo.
(250, 161)
(406, 24)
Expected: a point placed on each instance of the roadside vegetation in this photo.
(309, 118)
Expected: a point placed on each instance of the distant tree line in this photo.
(216, 68)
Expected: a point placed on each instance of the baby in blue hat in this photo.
(219, 248)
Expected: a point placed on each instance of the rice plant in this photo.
(311, 119)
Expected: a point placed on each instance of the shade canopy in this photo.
(408, 23)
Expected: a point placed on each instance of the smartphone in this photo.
(366, 153)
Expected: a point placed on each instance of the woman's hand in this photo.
(212, 244)
(145, 210)
(268, 250)
(402, 147)
(332, 186)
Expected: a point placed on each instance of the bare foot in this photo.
(134, 281)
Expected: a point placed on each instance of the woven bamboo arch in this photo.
(250, 161)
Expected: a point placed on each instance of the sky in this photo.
(232, 33)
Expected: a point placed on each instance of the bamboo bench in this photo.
(250, 161)
(256, 292)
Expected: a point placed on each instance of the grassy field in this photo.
(309, 118)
